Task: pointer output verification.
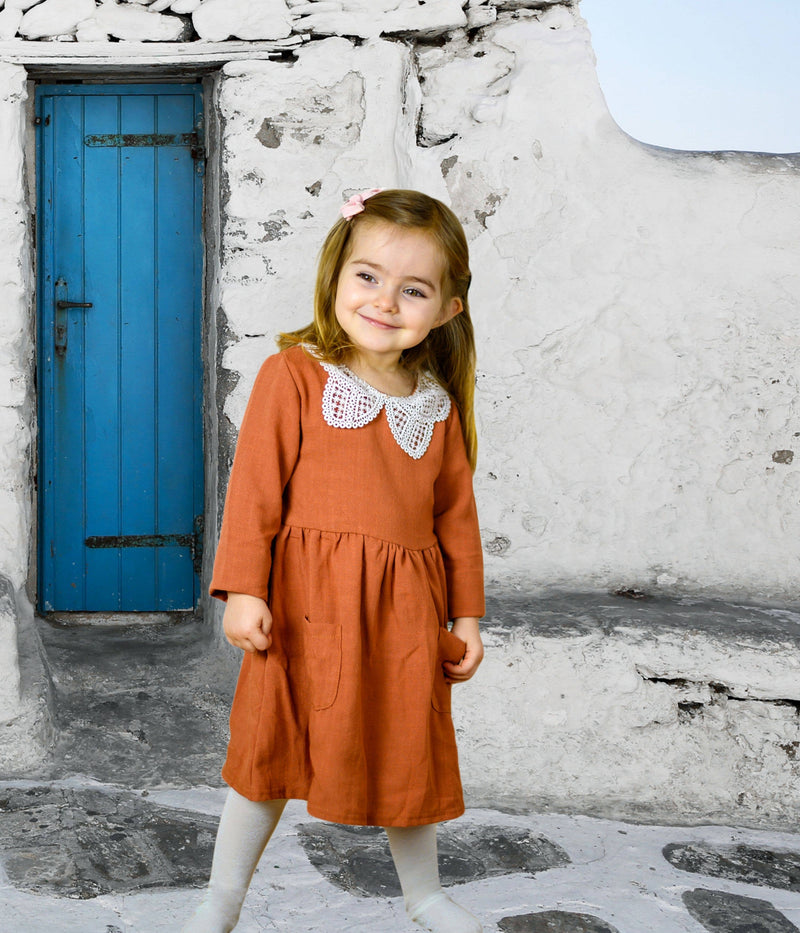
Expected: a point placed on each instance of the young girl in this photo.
(350, 540)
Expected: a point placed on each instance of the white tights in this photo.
(414, 852)
(245, 829)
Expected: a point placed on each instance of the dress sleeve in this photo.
(456, 526)
(266, 453)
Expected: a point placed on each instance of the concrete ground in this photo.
(114, 833)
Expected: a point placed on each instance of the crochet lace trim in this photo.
(349, 402)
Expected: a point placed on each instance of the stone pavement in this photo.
(115, 833)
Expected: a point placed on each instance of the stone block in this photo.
(356, 859)
(9, 22)
(55, 18)
(89, 30)
(478, 16)
(720, 912)
(452, 80)
(129, 22)
(555, 921)
(217, 20)
(82, 844)
(515, 5)
(431, 18)
(744, 863)
(21, 4)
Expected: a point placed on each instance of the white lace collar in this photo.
(349, 402)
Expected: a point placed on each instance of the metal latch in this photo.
(60, 322)
(61, 305)
(193, 541)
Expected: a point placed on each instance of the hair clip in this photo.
(356, 203)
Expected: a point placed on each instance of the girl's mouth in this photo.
(381, 325)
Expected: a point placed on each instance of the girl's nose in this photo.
(386, 300)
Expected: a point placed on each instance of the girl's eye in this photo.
(366, 276)
(415, 293)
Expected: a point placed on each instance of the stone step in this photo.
(665, 709)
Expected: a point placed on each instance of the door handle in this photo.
(60, 323)
(61, 305)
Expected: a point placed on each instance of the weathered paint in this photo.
(637, 318)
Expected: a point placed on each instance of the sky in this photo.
(701, 74)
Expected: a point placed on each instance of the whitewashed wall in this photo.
(637, 309)
(637, 324)
(16, 393)
(638, 318)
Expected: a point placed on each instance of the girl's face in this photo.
(389, 292)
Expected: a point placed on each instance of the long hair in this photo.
(448, 352)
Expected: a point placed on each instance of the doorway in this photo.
(119, 179)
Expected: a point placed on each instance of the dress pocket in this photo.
(324, 662)
(450, 648)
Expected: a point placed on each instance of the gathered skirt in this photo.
(349, 709)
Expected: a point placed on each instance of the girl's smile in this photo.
(389, 293)
(379, 324)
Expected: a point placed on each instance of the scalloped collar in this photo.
(350, 402)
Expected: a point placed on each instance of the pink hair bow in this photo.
(356, 203)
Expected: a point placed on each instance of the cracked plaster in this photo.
(636, 313)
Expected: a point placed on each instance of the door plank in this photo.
(102, 370)
(139, 336)
(68, 368)
(176, 434)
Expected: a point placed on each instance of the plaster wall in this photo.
(16, 333)
(637, 317)
(16, 391)
(25, 722)
(636, 309)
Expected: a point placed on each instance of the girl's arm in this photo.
(467, 629)
(266, 453)
(455, 523)
(456, 526)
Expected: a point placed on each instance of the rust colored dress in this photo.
(363, 553)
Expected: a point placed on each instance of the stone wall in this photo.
(636, 309)
(252, 20)
(16, 390)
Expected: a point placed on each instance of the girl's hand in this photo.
(247, 622)
(467, 629)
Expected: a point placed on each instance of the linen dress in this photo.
(363, 552)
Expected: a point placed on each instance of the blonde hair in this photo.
(448, 352)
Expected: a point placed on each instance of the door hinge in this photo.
(193, 541)
(198, 153)
(197, 544)
(198, 150)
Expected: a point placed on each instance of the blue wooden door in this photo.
(120, 382)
